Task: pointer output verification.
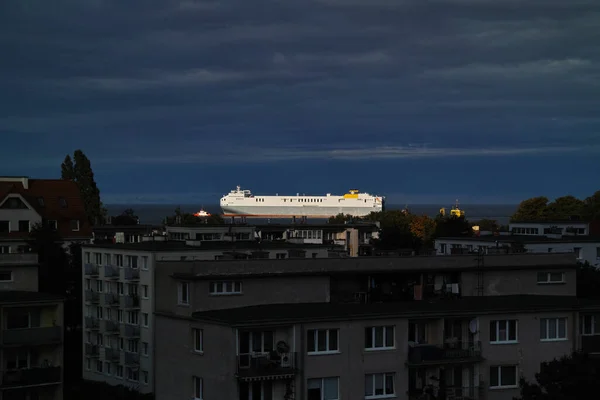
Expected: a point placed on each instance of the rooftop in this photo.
(327, 266)
(20, 296)
(277, 314)
(526, 239)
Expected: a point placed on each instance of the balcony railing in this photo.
(131, 274)
(130, 331)
(32, 336)
(112, 327)
(462, 393)
(112, 272)
(19, 258)
(31, 377)
(422, 354)
(91, 269)
(590, 344)
(112, 354)
(111, 299)
(132, 358)
(130, 301)
(92, 350)
(92, 323)
(272, 365)
(92, 297)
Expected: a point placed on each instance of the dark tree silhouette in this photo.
(67, 170)
(127, 217)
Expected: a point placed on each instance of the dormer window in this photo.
(40, 201)
(63, 202)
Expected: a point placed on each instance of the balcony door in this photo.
(256, 390)
(254, 344)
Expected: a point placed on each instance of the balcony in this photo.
(92, 297)
(130, 331)
(92, 323)
(131, 301)
(91, 270)
(111, 299)
(132, 358)
(590, 344)
(31, 377)
(112, 272)
(112, 327)
(32, 336)
(19, 258)
(266, 366)
(131, 274)
(112, 355)
(92, 350)
(449, 353)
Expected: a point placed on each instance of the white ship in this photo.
(240, 202)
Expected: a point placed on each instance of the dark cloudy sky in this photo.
(422, 101)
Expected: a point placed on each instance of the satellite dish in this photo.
(473, 326)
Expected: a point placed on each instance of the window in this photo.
(198, 388)
(504, 376)
(107, 368)
(132, 262)
(503, 331)
(132, 346)
(98, 366)
(107, 259)
(228, 287)
(4, 226)
(23, 226)
(63, 202)
(74, 224)
(120, 315)
(379, 386)
(99, 286)
(88, 364)
(133, 374)
(322, 340)
(197, 337)
(6, 276)
(550, 277)
(19, 319)
(145, 377)
(598, 252)
(145, 319)
(52, 224)
(144, 262)
(590, 325)
(133, 318)
(145, 348)
(183, 294)
(119, 260)
(577, 251)
(119, 371)
(323, 388)
(553, 329)
(379, 337)
(145, 291)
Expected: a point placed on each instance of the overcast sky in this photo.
(422, 101)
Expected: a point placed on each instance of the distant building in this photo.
(581, 238)
(31, 338)
(26, 202)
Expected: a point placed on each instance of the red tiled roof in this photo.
(51, 191)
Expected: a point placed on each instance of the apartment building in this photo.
(119, 282)
(31, 333)
(371, 327)
(26, 202)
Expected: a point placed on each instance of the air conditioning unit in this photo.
(286, 360)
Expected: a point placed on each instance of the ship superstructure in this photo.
(241, 202)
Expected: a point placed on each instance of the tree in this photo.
(565, 208)
(588, 281)
(395, 230)
(452, 226)
(533, 209)
(342, 219)
(183, 218)
(591, 207)
(52, 259)
(80, 171)
(127, 217)
(423, 227)
(570, 377)
(67, 169)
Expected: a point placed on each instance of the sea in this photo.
(154, 214)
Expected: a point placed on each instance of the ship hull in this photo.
(297, 211)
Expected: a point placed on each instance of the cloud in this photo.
(232, 155)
